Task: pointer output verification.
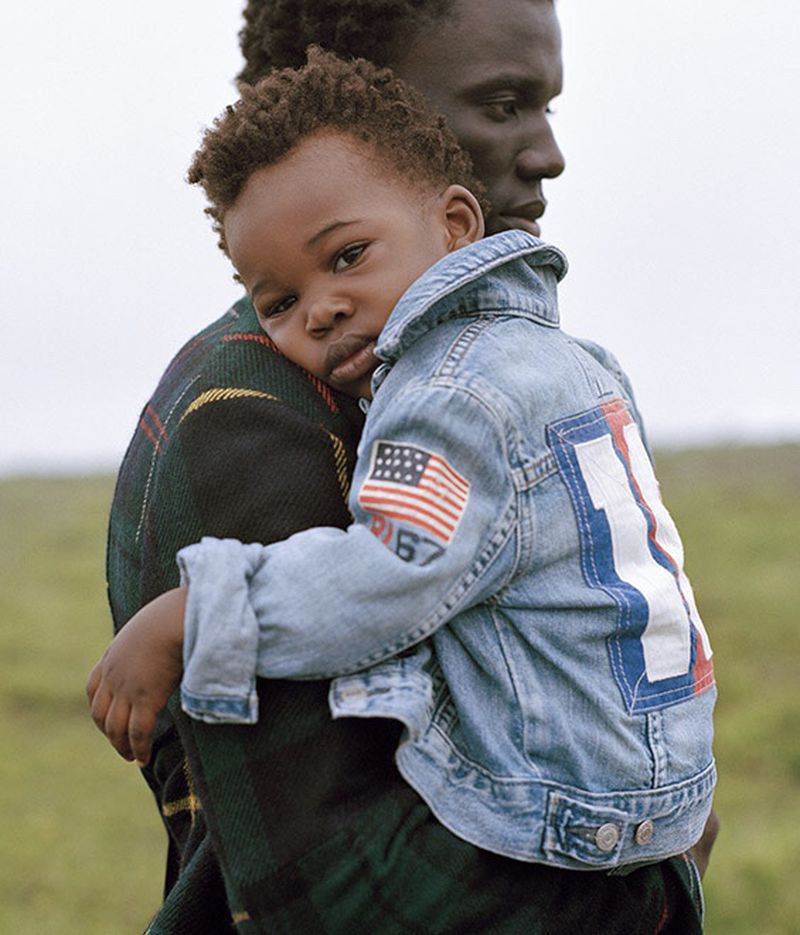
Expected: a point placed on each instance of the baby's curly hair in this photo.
(276, 33)
(357, 98)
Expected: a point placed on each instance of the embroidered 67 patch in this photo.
(409, 486)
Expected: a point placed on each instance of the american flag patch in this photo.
(415, 486)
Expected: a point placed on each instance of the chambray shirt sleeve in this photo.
(327, 602)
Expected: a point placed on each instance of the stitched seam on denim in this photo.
(592, 380)
(655, 740)
(532, 475)
(515, 681)
(491, 550)
(461, 344)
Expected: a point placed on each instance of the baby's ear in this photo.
(462, 216)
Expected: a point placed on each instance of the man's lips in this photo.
(524, 217)
(350, 358)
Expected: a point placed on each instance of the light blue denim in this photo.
(544, 653)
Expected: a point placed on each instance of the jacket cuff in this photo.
(221, 710)
(220, 647)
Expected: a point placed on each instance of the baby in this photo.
(512, 587)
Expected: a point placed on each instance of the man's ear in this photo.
(463, 217)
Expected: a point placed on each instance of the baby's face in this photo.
(326, 241)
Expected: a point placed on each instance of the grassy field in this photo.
(81, 847)
(739, 515)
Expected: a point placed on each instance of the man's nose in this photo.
(324, 312)
(541, 156)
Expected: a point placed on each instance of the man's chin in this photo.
(497, 223)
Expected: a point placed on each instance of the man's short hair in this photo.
(354, 97)
(276, 33)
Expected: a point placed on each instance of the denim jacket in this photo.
(511, 588)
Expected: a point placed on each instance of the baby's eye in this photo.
(277, 308)
(348, 257)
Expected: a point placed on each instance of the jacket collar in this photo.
(518, 276)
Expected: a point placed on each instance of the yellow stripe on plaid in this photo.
(193, 800)
(340, 460)
(222, 393)
(189, 803)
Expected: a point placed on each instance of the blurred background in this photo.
(680, 213)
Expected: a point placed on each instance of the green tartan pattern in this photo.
(305, 824)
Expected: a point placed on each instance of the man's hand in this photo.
(139, 671)
(702, 850)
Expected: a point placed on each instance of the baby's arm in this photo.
(326, 602)
(434, 501)
(138, 672)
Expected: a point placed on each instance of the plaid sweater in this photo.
(305, 825)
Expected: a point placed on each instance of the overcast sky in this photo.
(679, 210)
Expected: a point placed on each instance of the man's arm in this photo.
(207, 463)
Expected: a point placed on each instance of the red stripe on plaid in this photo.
(258, 338)
(664, 917)
(157, 422)
(149, 433)
(155, 431)
(322, 388)
(325, 392)
(200, 340)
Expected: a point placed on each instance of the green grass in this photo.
(82, 847)
(739, 514)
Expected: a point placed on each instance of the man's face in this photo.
(492, 67)
(326, 241)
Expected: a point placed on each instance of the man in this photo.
(238, 442)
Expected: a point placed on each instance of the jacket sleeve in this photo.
(435, 508)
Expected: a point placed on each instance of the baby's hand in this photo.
(139, 671)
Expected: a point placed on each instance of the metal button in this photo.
(607, 837)
(644, 833)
